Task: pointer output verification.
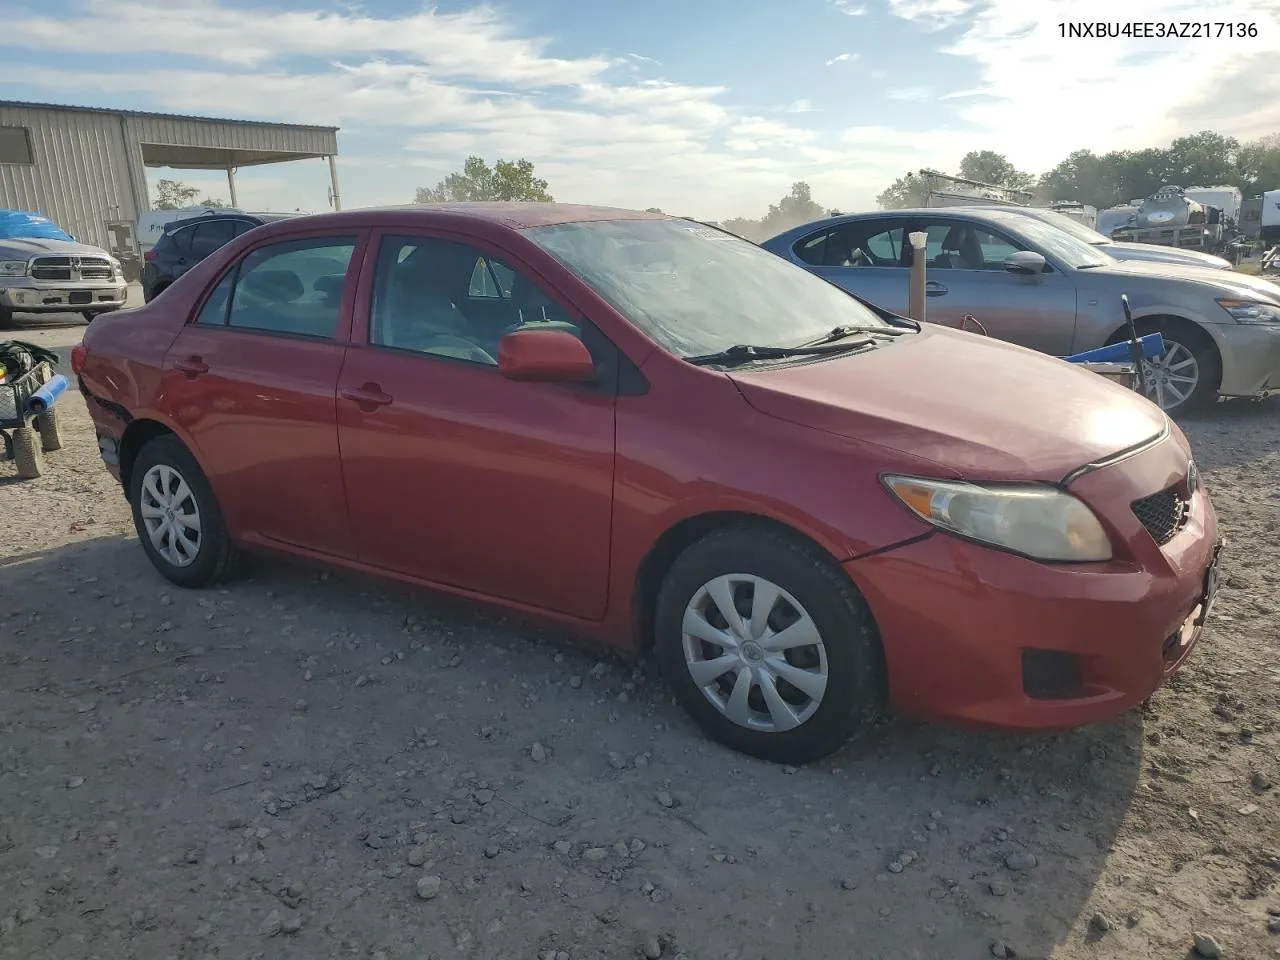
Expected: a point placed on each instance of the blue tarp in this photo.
(21, 224)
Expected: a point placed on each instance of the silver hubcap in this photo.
(1171, 377)
(170, 515)
(755, 653)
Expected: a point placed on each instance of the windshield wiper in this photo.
(741, 353)
(840, 333)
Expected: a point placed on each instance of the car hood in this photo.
(982, 409)
(1152, 253)
(1230, 281)
(24, 248)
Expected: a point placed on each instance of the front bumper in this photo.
(1250, 357)
(63, 297)
(979, 637)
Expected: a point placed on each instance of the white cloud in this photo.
(477, 43)
(850, 8)
(841, 58)
(1043, 95)
(799, 106)
(918, 94)
(939, 13)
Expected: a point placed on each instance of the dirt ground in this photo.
(311, 765)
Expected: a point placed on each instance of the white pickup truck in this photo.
(45, 270)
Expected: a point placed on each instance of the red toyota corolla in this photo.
(661, 435)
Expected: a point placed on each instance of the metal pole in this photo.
(333, 179)
(231, 182)
(918, 243)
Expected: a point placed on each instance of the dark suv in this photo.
(186, 242)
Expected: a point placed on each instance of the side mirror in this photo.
(1025, 263)
(547, 356)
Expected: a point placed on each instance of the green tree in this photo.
(1204, 159)
(505, 180)
(1258, 165)
(652, 210)
(909, 191)
(795, 208)
(174, 195)
(987, 166)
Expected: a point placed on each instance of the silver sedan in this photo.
(1033, 284)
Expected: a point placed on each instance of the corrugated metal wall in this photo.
(81, 175)
(88, 164)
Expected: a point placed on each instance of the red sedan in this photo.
(661, 435)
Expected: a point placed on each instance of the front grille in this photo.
(1163, 514)
(71, 268)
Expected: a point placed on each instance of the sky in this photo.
(704, 108)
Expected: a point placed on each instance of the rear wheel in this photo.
(50, 429)
(768, 646)
(27, 455)
(177, 516)
(6, 316)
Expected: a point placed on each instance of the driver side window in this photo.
(450, 299)
(963, 245)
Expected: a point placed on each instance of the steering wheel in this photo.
(447, 345)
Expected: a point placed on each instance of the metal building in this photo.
(84, 167)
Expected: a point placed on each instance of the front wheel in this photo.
(1185, 377)
(177, 516)
(768, 646)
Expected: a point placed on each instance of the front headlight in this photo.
(1033, 520)
(13, 268)
(1251, 311)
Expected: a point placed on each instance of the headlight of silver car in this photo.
(1251, 311)
(13, 268)
(1036, 521)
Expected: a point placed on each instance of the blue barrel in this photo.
(46, 396)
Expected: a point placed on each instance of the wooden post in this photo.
(231, 184)
(918, 243)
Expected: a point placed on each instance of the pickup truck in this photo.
(43, 269)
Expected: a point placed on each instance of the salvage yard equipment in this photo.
(29, 391)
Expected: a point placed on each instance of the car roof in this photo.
(517, 215)
(973, 211)
(211, 217)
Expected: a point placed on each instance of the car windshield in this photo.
(1073, 227)
(697, 290)
(1058, 243)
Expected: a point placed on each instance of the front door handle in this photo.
(192, 367)
(369, 397)
(934, 289)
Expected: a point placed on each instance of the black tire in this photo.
(50, 430)
(216, 556)
(1208, 361)
(27, 455)
(6, 316)
(856, 678)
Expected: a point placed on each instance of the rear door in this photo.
(252, 379)
(864, 257)
(208, 237)
(965, 274)
(454, 473)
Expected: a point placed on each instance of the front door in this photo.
(965, 274)
(455, 474)
(252, 380)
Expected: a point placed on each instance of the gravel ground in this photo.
(319, 765)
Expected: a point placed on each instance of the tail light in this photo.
(149, 255)
(78, 354)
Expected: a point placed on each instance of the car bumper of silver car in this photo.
(62, 297)
(1250, 358)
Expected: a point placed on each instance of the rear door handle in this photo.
(192, 366)
(369, 397)
(934, 289)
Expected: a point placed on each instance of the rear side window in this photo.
(179, 241)
(294, 287)
(877, 243)
(214, 311)
(210, 236)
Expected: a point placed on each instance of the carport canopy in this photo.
(191, 157)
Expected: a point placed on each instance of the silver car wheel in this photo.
(755, 653)
(170, 515)
(1173, 376)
